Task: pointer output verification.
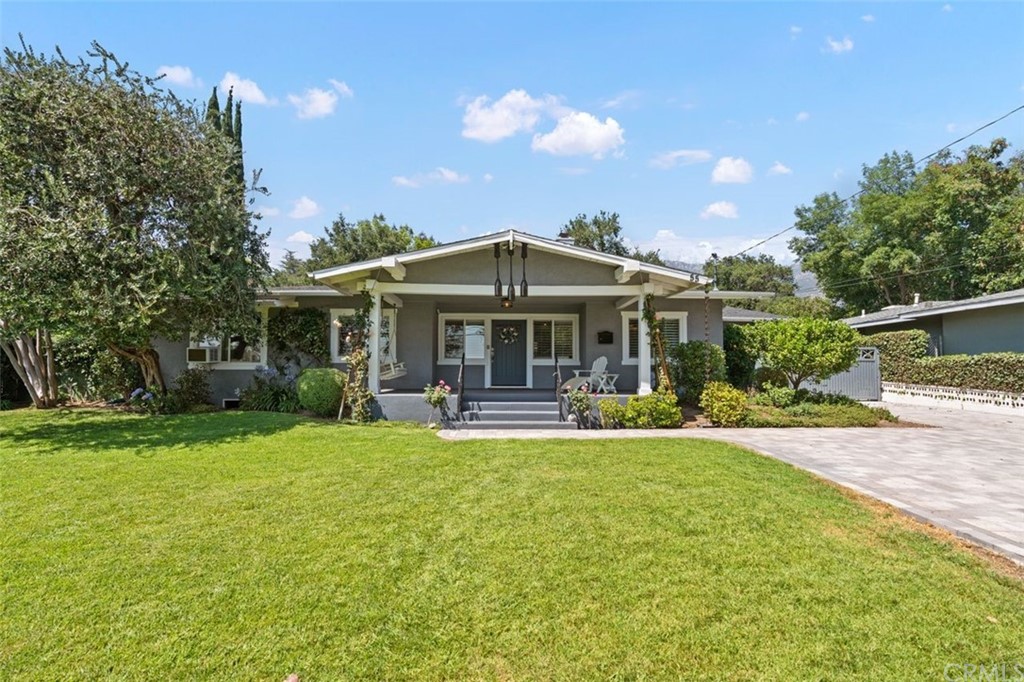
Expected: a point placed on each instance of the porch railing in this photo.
(461, 386)
(558, 389)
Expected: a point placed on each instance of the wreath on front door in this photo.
(509, 334)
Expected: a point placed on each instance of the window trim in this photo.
(667, 315)
(335, 313)
(489, 318)
(236, 364)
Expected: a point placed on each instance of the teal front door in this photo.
(508, 362)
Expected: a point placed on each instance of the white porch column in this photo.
(644, 340)
(373, 378)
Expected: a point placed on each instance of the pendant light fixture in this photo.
(511, 287)
(524, 287)
(497, 275)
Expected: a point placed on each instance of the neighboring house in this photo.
(986, 324)
(439, 305)
(733, 315)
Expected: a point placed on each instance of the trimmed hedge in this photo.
(320, 390)
(904, 360)
(897, 348)
(691, 363)
(740, 357)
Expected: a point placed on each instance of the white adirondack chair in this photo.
(598, 377)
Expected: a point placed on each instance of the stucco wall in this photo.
(989, 330)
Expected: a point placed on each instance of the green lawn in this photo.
(247, 546)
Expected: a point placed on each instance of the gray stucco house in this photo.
(507, 303)
(986, 324)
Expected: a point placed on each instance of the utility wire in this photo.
(918, 162)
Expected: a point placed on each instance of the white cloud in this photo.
(179, 75)
(301, 237)
(623, 99)
(868, 18)
(698, 250)
(581, 133)
(720, 209)
(732, 170)
(342, 88)
(244, 89)
(303, 207)
(803, 116)
(268, 211)
(838, 46)
(680, 157)
(794, 32)
(438, 176)
(314, 103)
(778, 168)
(772, 121)
(488, 177)
(515, 112)
(947, 7)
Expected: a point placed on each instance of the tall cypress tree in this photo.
(226, 126)
(239, 163)
(213, 110)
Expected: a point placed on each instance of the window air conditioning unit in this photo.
(203, 354)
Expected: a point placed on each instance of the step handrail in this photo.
(460, 388)
(558, 388)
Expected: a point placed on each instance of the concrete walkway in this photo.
(965, 475)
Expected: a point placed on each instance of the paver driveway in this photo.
(966, 474)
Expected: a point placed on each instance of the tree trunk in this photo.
(32, 359)
(148, 361)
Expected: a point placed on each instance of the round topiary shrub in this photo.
(320, 390)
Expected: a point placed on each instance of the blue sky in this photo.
(702, 125)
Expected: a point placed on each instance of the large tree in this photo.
(604, 233)
(291, 271)
(751, 273)
(119, 222)
(344, 242)
(949, 231)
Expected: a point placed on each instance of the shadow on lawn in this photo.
(71, 429)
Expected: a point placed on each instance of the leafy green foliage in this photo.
(752, 273)
(119, 216)
(191, 388)
(740, 357)
(581, 405)
(270, 391)
(299, 336)
(904, 359)
(794, 306)
(802, 348)
(291, 271)
(656, 410)
(344, 242)
(320, 390)
(88, 372)
(898, 348)
(723, 405)
(952, 230)
(604, 233)
(693, 364)
(613, 413)
(777, 396)
(810, 414)
(438, 395)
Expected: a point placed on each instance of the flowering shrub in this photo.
(436, 396)
(270, 391)
(580, 404)
(657, 410)
(613, 414)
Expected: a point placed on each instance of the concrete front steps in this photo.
(519, 414)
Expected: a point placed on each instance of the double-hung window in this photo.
(673, 332)
(231, 351)
(463, 336)
(554, 338)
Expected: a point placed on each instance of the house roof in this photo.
(904, 313)
(630, 266)
(741, 315)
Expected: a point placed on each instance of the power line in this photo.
(919, 161)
